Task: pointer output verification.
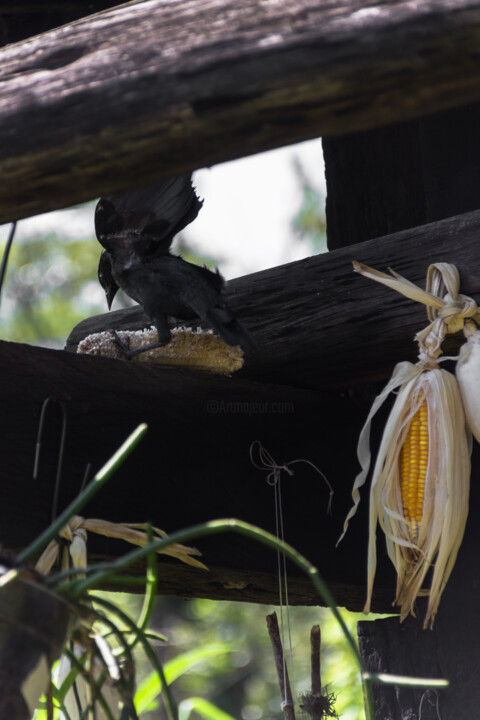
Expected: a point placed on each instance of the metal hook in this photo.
(61, 450)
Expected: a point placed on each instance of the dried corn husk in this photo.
(438, 535)
(468, 376)
(441, 529)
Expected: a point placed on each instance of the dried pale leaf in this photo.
(405, 375)
(48, 558)
(403, 372)
(468, 376)
(400, 284)
(129, 533)
(76, 532)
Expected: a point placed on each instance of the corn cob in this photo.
(413, 469)
(199, 350)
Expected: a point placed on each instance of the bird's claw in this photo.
(123, 345)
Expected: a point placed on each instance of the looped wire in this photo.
(267, 462)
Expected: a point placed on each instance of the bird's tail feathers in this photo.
(230, 329)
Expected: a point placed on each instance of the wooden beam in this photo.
(151, 89)
(320, 325)
(192, 466)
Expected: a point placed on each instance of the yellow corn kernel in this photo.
(413, 469)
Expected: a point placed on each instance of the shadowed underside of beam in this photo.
(153, 89)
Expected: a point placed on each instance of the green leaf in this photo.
(203, 707)
(186, 661)
(150, 688)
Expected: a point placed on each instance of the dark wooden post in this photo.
(401, 176)
(379, 182)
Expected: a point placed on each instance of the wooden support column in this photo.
(380, 182)
(403, 175)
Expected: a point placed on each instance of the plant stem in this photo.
(170, 705)
(315, 640)
(281, 666)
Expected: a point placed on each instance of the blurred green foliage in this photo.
(50, 286)
(227, 658)
(309, 224)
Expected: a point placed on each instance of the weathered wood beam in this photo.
(319, 324)
(153, 88)
(385, 180)
(193, 465)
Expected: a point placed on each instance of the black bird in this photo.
(136, 228)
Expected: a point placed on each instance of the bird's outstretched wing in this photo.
(151, 215)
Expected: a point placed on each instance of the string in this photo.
(266, 462)
(283, 583)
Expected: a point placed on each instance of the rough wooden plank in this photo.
(320, 325)
(155, 88)
(389, 179)
(192, 466)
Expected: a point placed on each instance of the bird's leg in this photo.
(164, 337)
(122, 345)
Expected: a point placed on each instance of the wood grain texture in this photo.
(193, 465)
(320, 325)
(401, 176)
(152, 89)
(451, 651)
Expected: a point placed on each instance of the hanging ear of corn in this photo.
(420, 481)
(433, 533)
(422, 526)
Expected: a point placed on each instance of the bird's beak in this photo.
(110, 293)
